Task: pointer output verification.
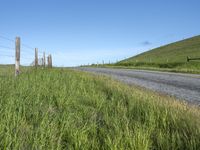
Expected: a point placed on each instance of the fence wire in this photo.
(7, 55)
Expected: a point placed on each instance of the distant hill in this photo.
(172, 53)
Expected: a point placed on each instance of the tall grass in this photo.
(187, 67)
(63, 109)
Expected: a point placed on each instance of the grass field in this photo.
(65, 109)
(172, 57)
(6, 70)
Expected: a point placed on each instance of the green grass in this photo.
(6, 70)
(65, 109)
(9, 70)
(172, 57)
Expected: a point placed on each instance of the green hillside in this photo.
(172, 56)
(175, 52)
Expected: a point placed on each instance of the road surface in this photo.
(182, 86)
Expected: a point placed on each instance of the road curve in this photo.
(182, 86)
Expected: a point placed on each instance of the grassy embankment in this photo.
(172, 57)
(59, 109)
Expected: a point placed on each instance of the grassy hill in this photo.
(172, 56)
(65, 109)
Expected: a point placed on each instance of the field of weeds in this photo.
(65, 109)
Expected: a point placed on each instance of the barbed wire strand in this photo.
(6, 47)
(6, 55)
(25, 48)
(22, 44)
(6, 38)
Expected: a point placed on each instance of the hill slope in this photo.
(175, 52)
(168, 56)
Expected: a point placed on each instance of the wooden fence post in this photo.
(17, 55)
(44, 59)
(36, 57)
(42, 62)
(50, 60)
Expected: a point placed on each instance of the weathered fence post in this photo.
(36, 57)
(17, 55)
(44, 59)
(48, 62)
(51, 61)
(42, 63)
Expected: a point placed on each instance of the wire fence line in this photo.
(21, 54)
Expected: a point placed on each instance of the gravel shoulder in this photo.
(182, 86)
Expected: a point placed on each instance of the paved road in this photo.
(182, 86)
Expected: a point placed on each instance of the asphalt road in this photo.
(182, 86)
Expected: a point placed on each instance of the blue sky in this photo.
(79, 32)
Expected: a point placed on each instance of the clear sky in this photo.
(79, 32)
